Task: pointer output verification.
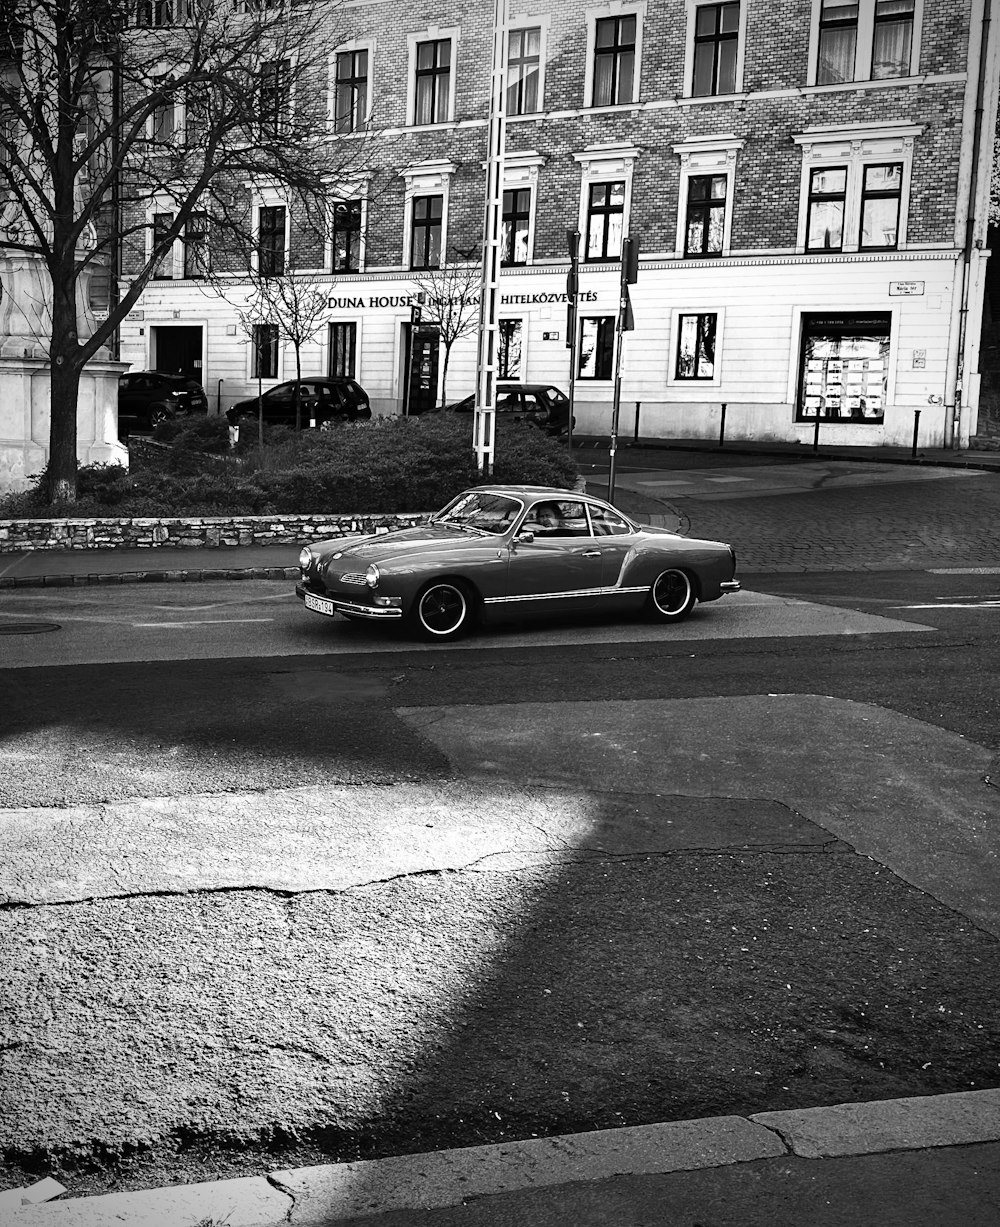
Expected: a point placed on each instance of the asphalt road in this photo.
(280, 891)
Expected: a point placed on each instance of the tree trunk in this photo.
(297, 394)
(65, 388)
(444, 375)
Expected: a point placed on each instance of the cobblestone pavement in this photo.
(950, 522)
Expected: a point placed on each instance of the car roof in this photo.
(535, 492)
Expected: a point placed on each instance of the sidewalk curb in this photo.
(324, 1195)
(162, 576)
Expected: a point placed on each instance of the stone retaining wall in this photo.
(203, 532)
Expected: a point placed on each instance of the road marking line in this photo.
(976, 605)
(963, 570)
(200, 622)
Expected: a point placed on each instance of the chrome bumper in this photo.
(377, 613)
(729, 585)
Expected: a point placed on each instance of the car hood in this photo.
(400, 543)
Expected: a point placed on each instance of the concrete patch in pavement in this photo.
(891, 1124)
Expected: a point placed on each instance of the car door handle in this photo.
(591, 554)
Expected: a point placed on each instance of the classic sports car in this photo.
(510, 550)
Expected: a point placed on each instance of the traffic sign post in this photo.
(572, 297)
(624, 323)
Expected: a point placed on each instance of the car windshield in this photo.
(555, 396)
(486, 513)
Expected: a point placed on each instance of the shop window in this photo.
(350, 105)
(271, 240)
(605, 221)
(343, 349)
(515, 222)
(196, 246)
(716, 43)
(524, 71)
(704, 233)
(346, 237)
(881, 192)
(432, 87)
(696, 335)
(163, 269)
(509, 350)
(425, 232)
(844, 368)
(597, 347)
(264, 363)
(614, 60)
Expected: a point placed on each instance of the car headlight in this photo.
(372, 576)
(305, 557)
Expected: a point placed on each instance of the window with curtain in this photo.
(705, 227)
(605, 220)
(827, 202)
(271, 241)
(597, 347)
(838, 41)
(163, 270)
(343, 347)
(614, 60)
(696, 346)
(196, 246)
(892, 39)
(515, 220)
(265, 352)
(716, 41)
(425, 233)
(523, 66)
(433, 81)
(346, 239)
(351, 91)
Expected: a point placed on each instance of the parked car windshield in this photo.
(489, 513)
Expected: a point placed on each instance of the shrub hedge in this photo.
(385, 465)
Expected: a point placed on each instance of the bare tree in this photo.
(451, 305)
(109, 105)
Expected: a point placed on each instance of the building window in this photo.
(163, 122)
(265, 351)
(838, 41)
(605, 220)
(271, 241)
(844, 367)
(716, 42)
(523, 67)
(892, 39)
(597, 347)
(827, 204)
(273, 94)
(346, 240)
(509, 350)
(163, 269)
(614, 61)
(343, 348)
(196, 246)
(161, 12)
(696, 346)
(433, 82)
(350, 106)
(515, 222)
(881, 192)
(425, 234)
(704, 233)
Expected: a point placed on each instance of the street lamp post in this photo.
(489, 297)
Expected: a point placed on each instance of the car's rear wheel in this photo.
(443, 610)
(672, 596)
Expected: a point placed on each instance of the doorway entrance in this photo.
(176, 349)
(420, 368)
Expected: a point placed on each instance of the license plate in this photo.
(320, 604)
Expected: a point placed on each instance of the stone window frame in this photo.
(692, 387)
(353, 45)
(706, 155)
(520, 171)
(431, 178)
(855, 146)
(613, 8)
(269, 196)
(606, 163)
(431, 34)
(542, 23)
(692, 7)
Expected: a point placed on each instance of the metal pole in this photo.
(489, 296)
(616, 405)
(816, 432)
(916, 431)
(572, 296)
(636, 432)
(722, 426)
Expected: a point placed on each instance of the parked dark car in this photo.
(146, 398)
(541, 404)
(321, 400)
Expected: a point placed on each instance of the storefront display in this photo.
(844, 367)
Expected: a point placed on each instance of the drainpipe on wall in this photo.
(968, 287)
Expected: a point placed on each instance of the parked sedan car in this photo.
(146, 398)
(497, 551)
(321, 400)
(542, 404)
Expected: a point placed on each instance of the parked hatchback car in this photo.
(541, 404)
(321, 401)
(502, 551)
(146, 398)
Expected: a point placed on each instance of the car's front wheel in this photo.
(158, 414)
(672, 596)
(443, 610)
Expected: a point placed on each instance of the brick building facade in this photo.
(800, 179)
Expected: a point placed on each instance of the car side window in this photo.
(508, 402)
(557, 519)
(607, 524)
